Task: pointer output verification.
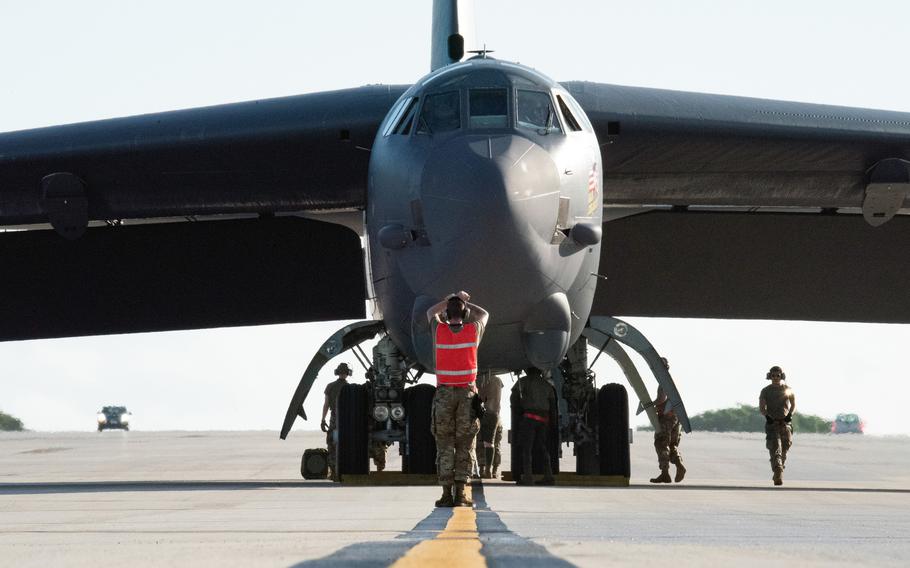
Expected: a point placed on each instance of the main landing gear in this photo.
(596, 420)
(384, 410)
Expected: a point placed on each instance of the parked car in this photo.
(847, 424)
(114, 417)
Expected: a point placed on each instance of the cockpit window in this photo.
(395, 114)
(535, 110)
(489, 108)
(577, 112)
(441, 113)
(407, 118)
(571, 122)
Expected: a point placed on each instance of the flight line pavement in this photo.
(237, 499)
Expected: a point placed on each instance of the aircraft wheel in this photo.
(613, 430)
(353, 431)
(586, 460)
(420, 456)
(515, 457)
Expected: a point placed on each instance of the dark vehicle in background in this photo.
(847, 424)
(114, 417)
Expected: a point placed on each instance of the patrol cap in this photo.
(343, 368)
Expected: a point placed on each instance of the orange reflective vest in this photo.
(456, 355)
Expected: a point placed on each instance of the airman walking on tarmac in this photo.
(455, 423)
(666, 438)
(332, 390)
(777, 403)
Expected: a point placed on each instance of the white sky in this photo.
(67, 62)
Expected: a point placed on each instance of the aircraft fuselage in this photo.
(486, 177)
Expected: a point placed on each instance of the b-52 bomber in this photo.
(558, 206)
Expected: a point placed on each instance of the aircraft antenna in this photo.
(482, 52)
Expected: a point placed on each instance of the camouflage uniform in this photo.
(332, 390)
(778, 430)
(377, 453)
(454, 426)
(489, 389)
(667, 435)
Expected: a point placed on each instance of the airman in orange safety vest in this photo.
(456, 337)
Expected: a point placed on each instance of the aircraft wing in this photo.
(731, 207)
(194, 217)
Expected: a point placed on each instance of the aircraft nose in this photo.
(503, 189)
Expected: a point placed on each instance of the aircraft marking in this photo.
(593, 202)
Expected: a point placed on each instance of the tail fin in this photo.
(453, 32)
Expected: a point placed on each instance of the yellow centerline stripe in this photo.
(457, 545)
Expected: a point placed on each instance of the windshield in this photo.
(489, 108)
(441, 113)
(535, 110)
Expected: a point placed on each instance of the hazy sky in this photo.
(68, 62)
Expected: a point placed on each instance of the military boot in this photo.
(446, 500)
(461, 500)
(680, 471)
(664, 476)
(547, 478)
(488, 459)
(778, 477)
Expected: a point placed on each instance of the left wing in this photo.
(672, 148)
(730, 207)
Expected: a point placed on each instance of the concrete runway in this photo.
(236, 499)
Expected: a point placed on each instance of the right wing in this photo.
(194, 217)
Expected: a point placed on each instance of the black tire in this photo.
(314, 463)
(420, 455)
(587, 461)
(613, 430)
(352, 449)
(515, 457)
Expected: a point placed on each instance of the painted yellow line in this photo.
(457, 545)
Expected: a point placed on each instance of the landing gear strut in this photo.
(597, 420)
(378, 413)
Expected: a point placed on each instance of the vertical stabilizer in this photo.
(453, 32)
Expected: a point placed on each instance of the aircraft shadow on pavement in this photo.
(141, 486)
(384, 553)
(695, 487)
(501, 547)
(771, 488)
(31, 488)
